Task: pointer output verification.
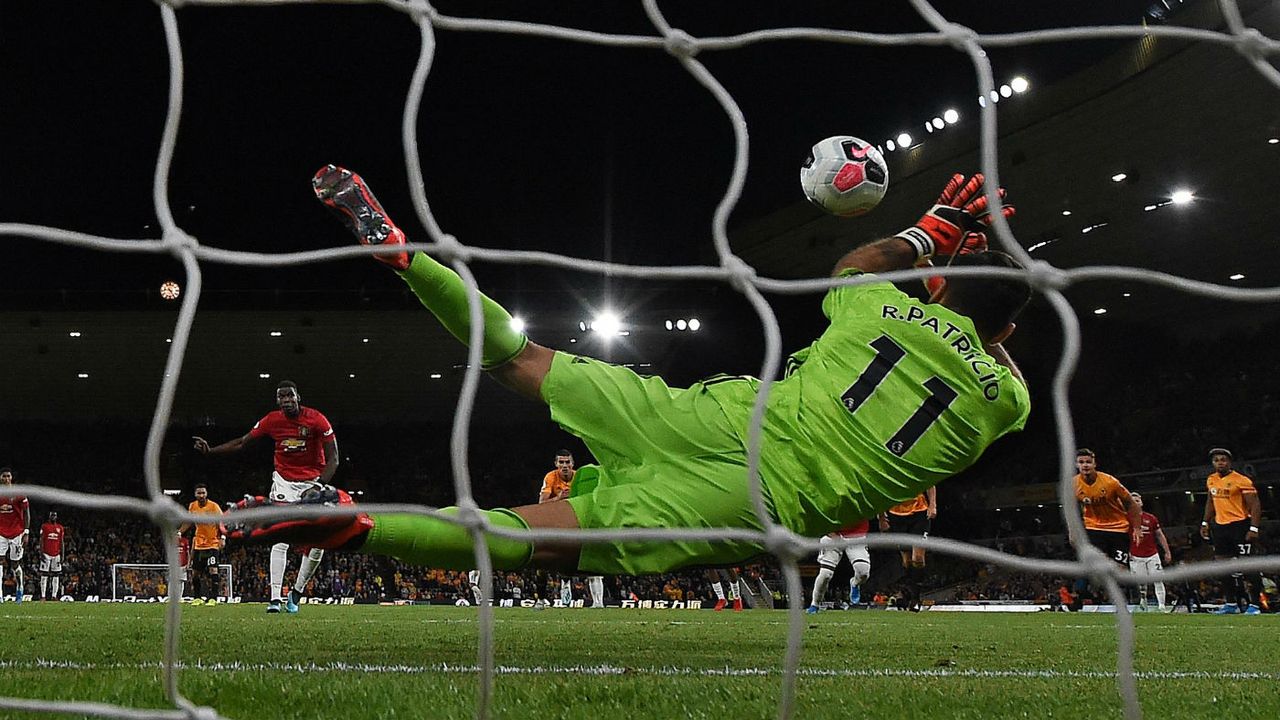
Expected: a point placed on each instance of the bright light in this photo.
(1066, 212)
(1237, 276)
(364, 340)
(436, 376)
(582, 325)
(351, 375)
(606, 324)
(982, 101)
(1149, 208)
(951, 116)
(82, 375)
(264, 376)
(1100, 311)
(928, 127)
(276, 333)
(1005, 91)
(1019, 84)
(937, 123)
(694, 324)
(1118, 177)
(1181, 197)
(995, 96)
(168, 340)
(682, 325)
(517, 324)
(74, 333)
(889, 144)
(668, 325)
(1125, 294)
(1273, 141)
(904, 140)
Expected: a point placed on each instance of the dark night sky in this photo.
(525, 142)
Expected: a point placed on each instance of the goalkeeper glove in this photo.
(333, 532)
(961, 209)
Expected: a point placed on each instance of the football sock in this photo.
(17, 577)
(307, 569)
(442, 292)
(820, 585)
(861, 571)
(733, 590)
(1160, 596)
(44, 586)
(422, 540)
(718, 589)
(57, 585)
(279, 557)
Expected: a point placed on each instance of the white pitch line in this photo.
(612, 670)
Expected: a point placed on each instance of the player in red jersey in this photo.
(51, 536)
(829, 559)
(306, 455)
(1145, 552)
(184, 561)
(15, 525)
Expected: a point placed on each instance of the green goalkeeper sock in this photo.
(423, 540)
(445, 295)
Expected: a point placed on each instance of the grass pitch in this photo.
(356, 662)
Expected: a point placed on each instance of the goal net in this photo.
(145, 582)
(1257, 51)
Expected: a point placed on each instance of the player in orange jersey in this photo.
(208, 540)
(913, 517)
(1232, 516)
(1111, 518)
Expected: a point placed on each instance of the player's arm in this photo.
(932, 496)
(231, 446)
(330, 460)
(1208, 516)
(1254, 506)
(1163, 545)
(952, 224)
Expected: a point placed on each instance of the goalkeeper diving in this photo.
(895, 396)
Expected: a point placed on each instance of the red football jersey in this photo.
(184, 550)
(299, 441)
(858, 529)
(51, 535)
(1146, 547)
(13, 516)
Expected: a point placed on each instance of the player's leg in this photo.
(57, 577)
(275, 574)
(860, 558)
(43, 570)
(437, 286)
(729, 576)
(306, 571)
(15, 558)
(595, 584)
(717, 587)
(1138, 566)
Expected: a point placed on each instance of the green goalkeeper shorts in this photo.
(669, 458)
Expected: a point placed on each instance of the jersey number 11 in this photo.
(888, 354)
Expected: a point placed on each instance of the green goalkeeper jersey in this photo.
(895, 396)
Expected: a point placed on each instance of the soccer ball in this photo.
(844, 175)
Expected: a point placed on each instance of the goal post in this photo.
(150, 580)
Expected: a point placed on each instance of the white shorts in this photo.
(288, 491)
(1145, 565)
(829, 557)
(12, 547)
(473, 577)
(50, 563)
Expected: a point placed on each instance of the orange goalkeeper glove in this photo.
(961, 210)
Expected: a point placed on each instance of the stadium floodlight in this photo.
(681, 325)
(1181, 197)
(1237, 276)
(82, 376)
(1019, 84)
(928, 127)
(74, 333)
(694, 324)
(668, 324)
(904, 140)
(995, 96)
(1065, 213)
(1273, 141)
(937, 123)
(1119, 177)
(951, 116)
(607, 324)
(168, 340)
(517, 324)
(889, 144)
(436, 376)
(1099, 311)
(982, 101)
(276, 333)
(364, 340)
(1149, 208)
(264, 376)
(1126, 294)
(1005, 91)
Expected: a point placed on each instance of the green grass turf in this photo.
(418, 662)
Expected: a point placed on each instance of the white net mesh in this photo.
(1251, 44)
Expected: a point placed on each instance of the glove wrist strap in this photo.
(919, 240)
